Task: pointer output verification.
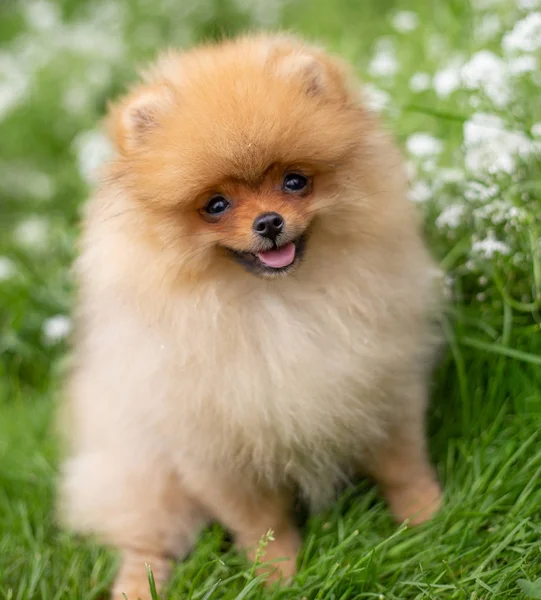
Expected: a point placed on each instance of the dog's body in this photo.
(203, 391)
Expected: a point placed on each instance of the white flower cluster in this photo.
(97, 38)
(93, 149)
(32, 233)
(420, 192)
(424, 145)
(376, 99)
(481, 196)
(485, 74)
(525, 35)
(405, 21)
(384, 63)
(451, 216)
(7, 268)
(448, 78)
(56, 328)
(420, 82)
(488, 247)
(492, 148)
(19, 179)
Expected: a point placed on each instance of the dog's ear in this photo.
(321, 76)
(306, 69)
(133, 118)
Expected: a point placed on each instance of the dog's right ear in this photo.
(318, 74)
(133, 118)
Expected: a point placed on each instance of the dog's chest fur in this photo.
(287, 386)
(290, 381)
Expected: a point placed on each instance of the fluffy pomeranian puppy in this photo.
(255, 311)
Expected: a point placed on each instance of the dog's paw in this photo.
(416, 502)
(280, 558)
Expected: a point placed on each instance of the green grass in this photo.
(486, 402)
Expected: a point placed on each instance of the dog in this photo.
(255, 313)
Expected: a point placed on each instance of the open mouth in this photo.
(276, 261)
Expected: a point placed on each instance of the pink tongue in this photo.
(281, 257)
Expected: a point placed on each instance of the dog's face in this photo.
(263, 226)
(231, 152)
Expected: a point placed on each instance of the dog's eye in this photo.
(295, 182)
(216, 205)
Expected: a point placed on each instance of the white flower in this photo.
(451, 216)
(525, 35)
(479, 192)
(489, 147)
(429, 165)
(536, 130)
(76, 99)
(529, 4)
(405, 21)
(447, 79)
(383, 65)
(489, 26)
(20, 180)
(14, 83)
(501, 211)
(32, 233)
(56, 329)
(420, 192)
(423, 145)
(420, 82)
(7, 268)
(525, 63)
(92, 149)
(490, 246)
(487, 72)
(375, 98)
(384, 62)
(41, 15)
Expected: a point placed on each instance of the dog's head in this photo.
(234, 150)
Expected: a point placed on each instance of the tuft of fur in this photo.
(193, 377)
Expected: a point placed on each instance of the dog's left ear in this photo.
(319, 75)
(133, 119)
(304, 68)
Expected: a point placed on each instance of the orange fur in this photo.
(204, 391)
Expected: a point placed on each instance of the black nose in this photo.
(269, 225)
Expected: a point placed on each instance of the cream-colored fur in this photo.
(203, 391)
